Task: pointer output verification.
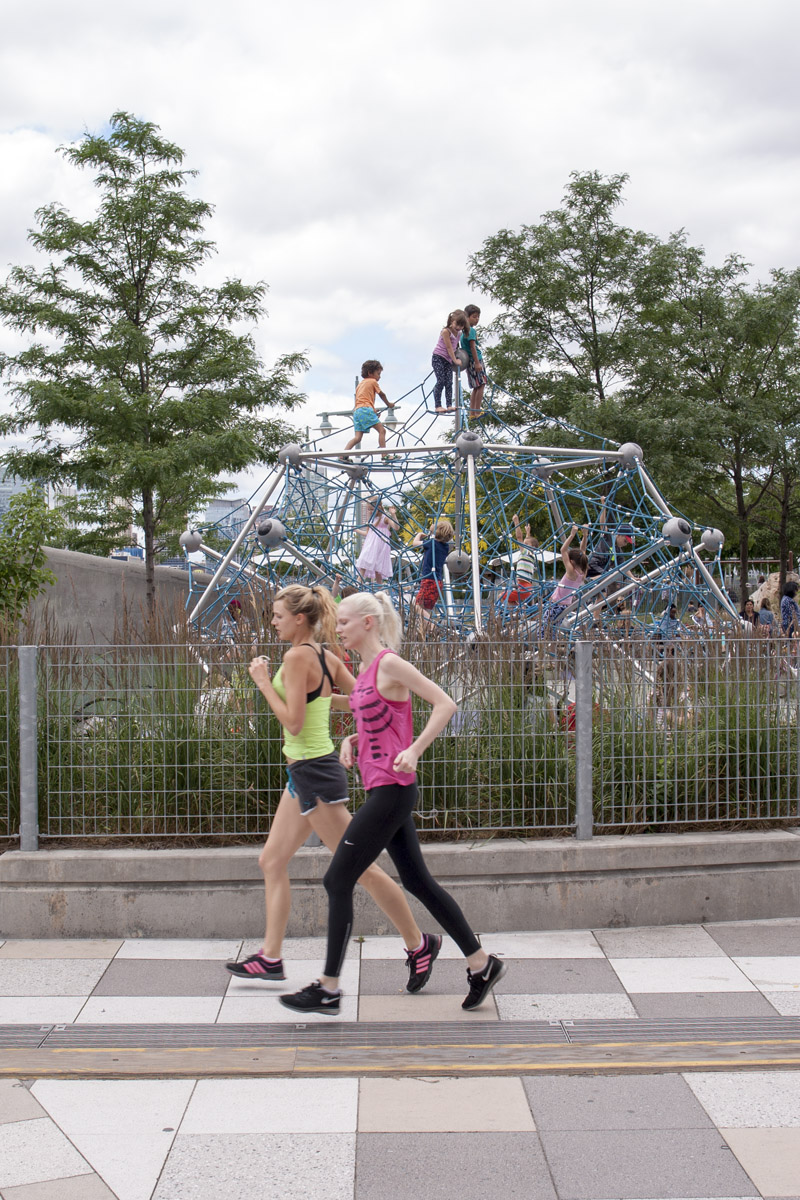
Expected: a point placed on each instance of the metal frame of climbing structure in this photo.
(306, 522)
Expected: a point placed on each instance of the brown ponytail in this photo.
(318, 606)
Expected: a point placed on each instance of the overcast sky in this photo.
(357, 153)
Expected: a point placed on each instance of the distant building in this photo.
(229, 516)
(10, 486)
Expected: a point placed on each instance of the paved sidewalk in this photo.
(643, 1136)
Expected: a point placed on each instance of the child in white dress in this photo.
(375, 559)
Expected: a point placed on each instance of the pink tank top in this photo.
(566, 587)
(441, 349)
(385, 727)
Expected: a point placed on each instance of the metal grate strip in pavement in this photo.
(22, 1036)
(638, 1029)
(310, 1034)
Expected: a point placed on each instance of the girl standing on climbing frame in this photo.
(443, 359)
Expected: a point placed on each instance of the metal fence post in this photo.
(583, 740)
(28, 767)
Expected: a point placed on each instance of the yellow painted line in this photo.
(517, 1068)
(568, 1064)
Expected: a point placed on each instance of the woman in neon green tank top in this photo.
(301, 696)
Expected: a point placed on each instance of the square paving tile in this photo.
(681, 975)
(659, 941)
(272, 1106)
(50, 977)
(182, 948)
(524, 977)
(615, 1102)
(786, 1003)
(451, 1166)
(751, 938)
(32, 1151)
(78, 1187)
(423, 1006)
(235, 1010)
(289, 1166)
(641, 1163)
(149, 1010)
(772, 974)
(544, 943)
(123, 1127)
(757, 1100)
(565, 1007)
(163, 977)
(701, 1004)
(771, 1158)
(61, 948)
(39, 1010)
(438, 1104)
(16, 1103)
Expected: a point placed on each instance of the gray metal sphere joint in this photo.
(469, 444)
(191, 539)
(458, 564)
(271, 533)
(629, 452)
(290, 454)
(677, 531)
(712, 540)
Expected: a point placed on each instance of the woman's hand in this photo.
(406, 761)
(347, 751)
(259, 669)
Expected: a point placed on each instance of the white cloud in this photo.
(357, 153)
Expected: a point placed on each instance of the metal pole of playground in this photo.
(230, 553)
(583, 741)
(474, 545)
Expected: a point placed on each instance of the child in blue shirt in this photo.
(436, 549)
(476, 372)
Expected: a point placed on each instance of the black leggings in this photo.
(384, 822)
(443, 370)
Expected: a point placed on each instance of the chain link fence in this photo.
(696, 732)
(176, 742)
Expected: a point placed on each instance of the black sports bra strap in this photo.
(315, 695)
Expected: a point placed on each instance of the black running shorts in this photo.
(313, 779)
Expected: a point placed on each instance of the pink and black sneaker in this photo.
(420, 962)
(257, 967)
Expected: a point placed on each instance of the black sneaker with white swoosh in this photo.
(313, 998)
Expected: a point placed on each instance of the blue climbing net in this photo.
(644, 558)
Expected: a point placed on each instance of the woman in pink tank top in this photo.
(387, 753)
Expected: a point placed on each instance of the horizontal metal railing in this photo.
(607, 735)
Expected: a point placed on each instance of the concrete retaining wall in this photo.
(502, 885)
(95, 596)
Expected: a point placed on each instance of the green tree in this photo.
(25, 529)
(143, 385)
(714, 389)
(570, 289)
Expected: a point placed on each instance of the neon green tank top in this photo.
(314, 739)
